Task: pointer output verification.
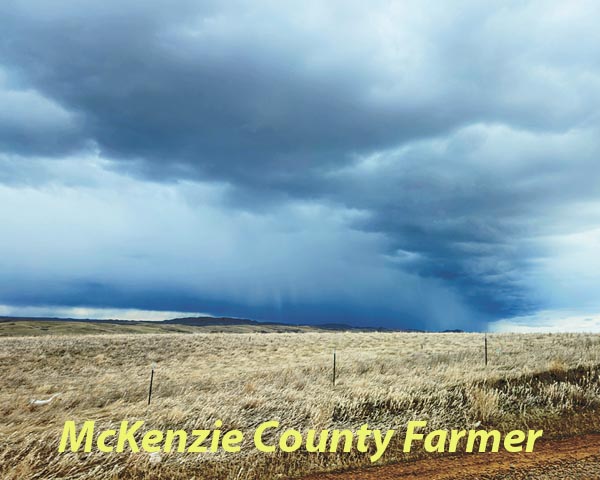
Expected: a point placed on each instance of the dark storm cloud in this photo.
(471, 215)
(126, 243)
(215, 96)
(259, 93)
(460, 132)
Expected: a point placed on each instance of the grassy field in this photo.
(35, 328)
(385, 379)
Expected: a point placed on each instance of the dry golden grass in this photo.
(385, 379)
(35, 328)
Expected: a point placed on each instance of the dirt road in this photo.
(569, 458)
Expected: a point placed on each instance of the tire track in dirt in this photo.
(561, 453)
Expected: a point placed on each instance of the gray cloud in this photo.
(462, 135)
(33, 124)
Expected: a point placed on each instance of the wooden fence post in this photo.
(334, 367)
(150, 389)
(485, 349)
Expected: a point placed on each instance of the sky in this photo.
(410, 164)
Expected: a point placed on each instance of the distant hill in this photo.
(36, 326)
(228, 321)
(206, 321)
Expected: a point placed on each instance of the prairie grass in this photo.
(383, 379)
